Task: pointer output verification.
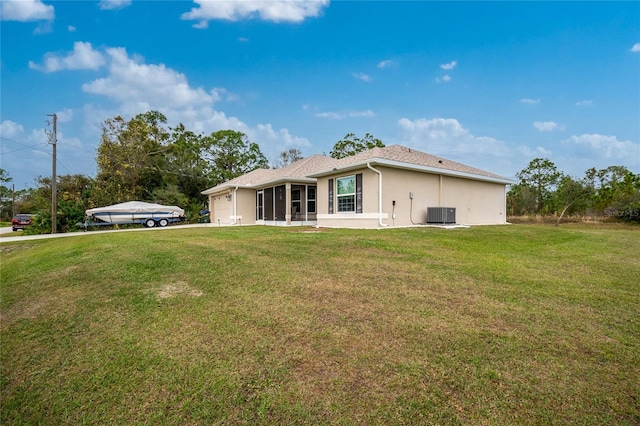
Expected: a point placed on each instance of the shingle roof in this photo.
(295, 171)
(320, 165)
(398, 155)
(303, 168)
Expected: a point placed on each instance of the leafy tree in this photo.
(76, 188)
(6, 196)
(620, 194)
(287, 157)
(170, 196)
(230, 154)
(610, 186)
(131, 157)
(186, 169)
(143, 159)
(37, 198)
(74, 192)
(521, 200)
(541, 176)
(571, 195)
(351, 145)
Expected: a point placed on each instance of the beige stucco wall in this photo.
(222, 208)
(476, 202)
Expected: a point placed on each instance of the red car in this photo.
(21, 221)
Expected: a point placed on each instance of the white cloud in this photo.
(330, 115)
(138, 87)
(529, 101)
(71, 29)
(225, 95)
(113, 4)
(267, 136)
(40, 137)
(607, 147)
(445, 79)
(446, 137)
(26, 10)
(362, 76)
(243, 40)
(235, 10)
(386, 63)
(547, 126)
(64, 116)
(584, 103)
(10, 129)
(44, 27)
(345, 114)
(365, 113)
(82, 57)
(272, 142)
(451, 65)
(636, 48)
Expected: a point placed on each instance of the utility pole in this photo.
(53, 140)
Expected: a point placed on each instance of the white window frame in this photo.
(351, 195)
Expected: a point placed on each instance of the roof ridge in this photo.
(408, 155)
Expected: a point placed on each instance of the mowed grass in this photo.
(255, 325)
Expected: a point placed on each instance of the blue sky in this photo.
(491, 85)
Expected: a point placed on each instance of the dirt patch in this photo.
(179, 288)
(53, 303)
(10, 248)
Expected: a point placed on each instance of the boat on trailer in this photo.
(134, 212)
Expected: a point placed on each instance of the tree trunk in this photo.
(566, 207)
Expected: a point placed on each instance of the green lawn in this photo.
(503, 325)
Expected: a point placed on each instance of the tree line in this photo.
(145, 159)
(542, 189)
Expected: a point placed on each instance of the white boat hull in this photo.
(122, 218)
(136, 212)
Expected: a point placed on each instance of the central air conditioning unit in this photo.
(441, 215)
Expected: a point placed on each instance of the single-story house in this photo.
(382, 187)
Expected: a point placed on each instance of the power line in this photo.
(40, 144)
(24, 145)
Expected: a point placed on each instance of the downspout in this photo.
(235, 205)
(379, 195)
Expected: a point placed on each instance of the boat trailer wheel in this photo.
(149, 223)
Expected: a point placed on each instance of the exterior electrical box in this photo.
(442, 215)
